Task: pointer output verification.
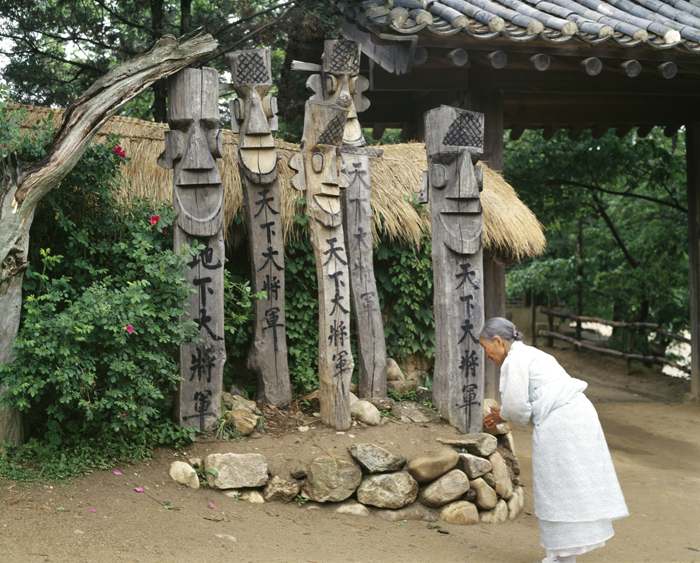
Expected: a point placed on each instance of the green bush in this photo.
(96, 352)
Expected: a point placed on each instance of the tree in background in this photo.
(60, 47)
(623, 201)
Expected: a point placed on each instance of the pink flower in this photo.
(165, 231)
(138, 489)
(212, 506)
(91, 510)
(123, 415)
(119, 151)
(129, 329)
(117, 472)
(155, 219)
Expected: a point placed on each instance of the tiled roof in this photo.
(661, 24)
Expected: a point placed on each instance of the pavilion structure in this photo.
(531, 64)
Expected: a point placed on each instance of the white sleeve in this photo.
(515, 378)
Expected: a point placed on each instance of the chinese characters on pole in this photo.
(318, 167)
(191, 147)
(452, 184)
(253, 118)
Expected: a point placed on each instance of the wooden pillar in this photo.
(339, 83)
(319, 175)
(494, 306)
(453, 186)
(253, 118)
(191, 147)
(693, 171)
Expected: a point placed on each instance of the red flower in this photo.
(165, 231)
(119, 151)
(129, 329)
(155, 219)
(124, 415)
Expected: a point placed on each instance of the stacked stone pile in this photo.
(465, 481)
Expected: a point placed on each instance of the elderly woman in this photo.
(577, 495)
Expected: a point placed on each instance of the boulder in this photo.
(375, 459)
(235, 471)
(461, 512)
(473, 465)
(365, 412)
(414, 512)
(497, 515)
(503, 485)
(331, 479)
(444, 490)
(389, 490)
(240, 402)
(184, 474)
(478, 443)
(409, 411)
(393, 371)
(244, 419)
(353, 508)
(511, 461)
(486, 497)
(382, 403)
(516, 503)
(432, 464)
(280, 489)
(402, 386)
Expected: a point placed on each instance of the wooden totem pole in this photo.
(191, 147)
(452, 184)
(253, 118)
(339, 83)
(319, 174)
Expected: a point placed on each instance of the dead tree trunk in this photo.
(453, 185)
(319, 175)
(23, 189)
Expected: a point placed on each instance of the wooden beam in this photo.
(599, 130)
(549, 131)
(630, 68)
(591, 66)
(420, 55)
(575, 131)
(497, 59)
(693, 171)
(539, 61)
(667, 70)
(378, 131)
(458, 57)
(517, 132)
(622, 130)
(644, 130)
(419, 79)
(671, 129)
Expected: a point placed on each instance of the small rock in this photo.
(240, 403)
(299, 473)
(461, 512)
(253, 496)
(255, 435)
(226, 537)
(280, 489)
(352, 399)
(401, 386)
(375, 459)
(234, 471)
(382, 403)
(477, 444)
(392, 490)
(504, 485)
(353, 508)
(78, 532)
(245, 420)
(195, 461)
(365, 412)
(516, 503)
(409, 411)
(470, 495)
(424, 395)
(303, 429)
(498, 515)
(474, 466)
(430, 465)
(237, 391)
(393, 371)
(414, 512)
(184, 474)
(507, 441)
(511, 461)
(444, 490)
(227, 398)
(486, 497)
(489, 479)
(312, 399)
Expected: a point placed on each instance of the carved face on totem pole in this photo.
(192, 146)
(253, 114)
(318, 165)
(340, 83)
(452, 183)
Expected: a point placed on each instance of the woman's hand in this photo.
(492, 419)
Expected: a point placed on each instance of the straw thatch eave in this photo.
(511, 231)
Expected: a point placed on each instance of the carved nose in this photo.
(344, 98)
(257, 121)
(197, 154)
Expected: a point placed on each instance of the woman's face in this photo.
(496, 350)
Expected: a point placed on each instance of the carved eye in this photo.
(269, 105)
(237, 110)
(438, 176)
(317, 162)
(215, 140)
(174, 144)
(331, 83)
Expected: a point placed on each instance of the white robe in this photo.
(577, 494)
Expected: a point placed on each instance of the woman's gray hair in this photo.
(503, 328)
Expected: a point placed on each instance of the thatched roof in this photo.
(511, 230)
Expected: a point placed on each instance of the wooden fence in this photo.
(632, 327)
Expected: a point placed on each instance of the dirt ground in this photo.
(653, 438)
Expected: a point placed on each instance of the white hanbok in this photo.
(577, 494)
